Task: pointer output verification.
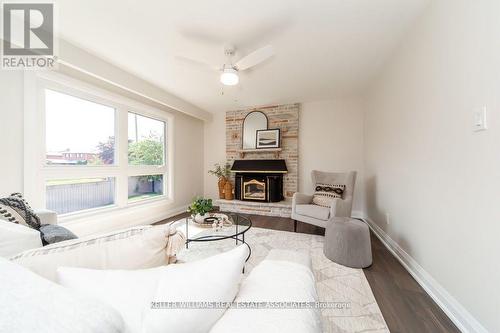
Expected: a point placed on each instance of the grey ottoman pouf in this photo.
(347, 242)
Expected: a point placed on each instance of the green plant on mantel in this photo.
(221, 170)
(200, 206)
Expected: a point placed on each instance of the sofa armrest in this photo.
(46, 216)
(300, 199)
(132, 248)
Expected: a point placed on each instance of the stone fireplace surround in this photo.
(286, 118)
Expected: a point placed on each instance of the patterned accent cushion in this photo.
(17, 210)
(52, 233)
(325, 193)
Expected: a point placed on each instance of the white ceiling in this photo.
(323, 48)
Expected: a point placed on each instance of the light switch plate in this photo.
(480, 120)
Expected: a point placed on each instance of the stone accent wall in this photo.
(284, 117)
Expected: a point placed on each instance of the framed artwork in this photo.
(269, 138)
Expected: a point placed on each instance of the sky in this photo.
(80, 125)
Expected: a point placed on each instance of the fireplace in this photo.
(259, 180)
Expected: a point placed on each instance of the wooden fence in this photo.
(73, 197)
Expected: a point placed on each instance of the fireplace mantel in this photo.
(276, 151)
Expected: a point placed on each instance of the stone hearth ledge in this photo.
(280, 209)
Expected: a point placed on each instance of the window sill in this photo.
(77, 217)
(147, 201)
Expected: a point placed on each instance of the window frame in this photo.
(37, 171)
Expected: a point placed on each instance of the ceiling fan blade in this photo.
(254, 58)
(197, 63)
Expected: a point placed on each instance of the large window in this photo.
(146, 140)
(99, 150)
(77, 131)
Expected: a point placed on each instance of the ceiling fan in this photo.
(229, 70)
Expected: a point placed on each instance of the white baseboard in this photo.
(451, 307)
(357, 214)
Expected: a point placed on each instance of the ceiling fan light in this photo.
(229, 77)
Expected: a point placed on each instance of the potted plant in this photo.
(199, 207)
(221, 171)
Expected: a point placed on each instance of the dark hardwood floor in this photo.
(405, 305)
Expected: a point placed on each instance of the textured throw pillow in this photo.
(52, 233)
(15, 209)
(325, 193)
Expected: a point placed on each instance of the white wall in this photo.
(11, 132)
(215, 151)
(188, 161)
(330, 139)
(439, 180)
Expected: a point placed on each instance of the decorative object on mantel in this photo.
(269, 138)
(199, 207)
(228, 191)
(222, 172)
(254, 121)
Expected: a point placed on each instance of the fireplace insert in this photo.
(254, 189)
(259, 180)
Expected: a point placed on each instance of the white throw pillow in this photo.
(128, 291)
(214, 279)
(274, 281)
(132, 248)
(15, 238)
(30, 303)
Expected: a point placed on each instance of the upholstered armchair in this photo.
(304, 210)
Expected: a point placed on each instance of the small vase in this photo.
(199, 218)
(228, 191)
(221, 183)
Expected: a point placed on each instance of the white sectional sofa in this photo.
(108, 283)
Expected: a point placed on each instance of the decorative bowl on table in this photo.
(223, 219)
(215, 220)
(205, 222)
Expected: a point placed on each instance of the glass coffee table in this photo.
(239, 226)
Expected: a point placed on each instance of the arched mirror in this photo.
(254, 121)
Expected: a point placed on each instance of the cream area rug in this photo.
(334, 282)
